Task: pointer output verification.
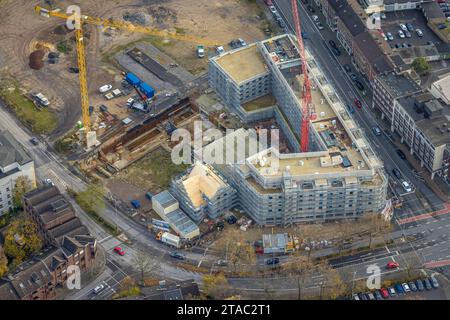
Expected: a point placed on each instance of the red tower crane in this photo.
(306, 101)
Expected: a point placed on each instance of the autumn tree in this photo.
(236, 248)
(92, 200)
(333, 286)
(21, 240)
(216, 286)
(300, 270)
(23, 185)
(3, 262)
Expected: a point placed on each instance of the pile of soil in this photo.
(36, 59)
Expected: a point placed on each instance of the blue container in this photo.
(147, 90)
(132, 79)
(136, 204)
(149, 195)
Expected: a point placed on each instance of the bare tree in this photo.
(145, 264)
(375, 225)
(299, 269)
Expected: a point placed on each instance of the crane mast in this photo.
(306, 105)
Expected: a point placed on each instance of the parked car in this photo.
(378, 295)
(427, 284)
(363, 296)
(384, 292)
(177, 255)
(320, 26)
(392, 265)
(401, 34)
(242, 43)
(315, 18)
(420, 285)
(370, 296)
(231, 219)
(222, 263)
(49, 182)
(419, 32)
(389, 36)
(398, 287)
(34, 141)
(350, 109)
(74, 70)
(403, 27)
(434, 282)
(412, 286)
(347, 68)
(332, 43)
(392, 291)
(406, 288)
(358, 103)
(376, 131)
(220, 50)
(397, 173)
(359, 85)
(406, 186)
(105, 88)
(353, 76)
(336, 51)
(410, 27)
(272, 261)
(401, 154)
(408, 34)
(355, 297)
(119, 251)
(272, 9)
(311, 9)
(99, 288)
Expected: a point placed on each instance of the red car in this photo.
(392, 265)
(358, 103)
(384, 292)
(119, 251)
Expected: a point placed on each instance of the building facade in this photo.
(14, 163)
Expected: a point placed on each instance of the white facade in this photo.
(8, 181)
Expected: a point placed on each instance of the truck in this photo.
(200, 51)
(168, 238)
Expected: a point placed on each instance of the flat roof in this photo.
(398, 85)
(443, 85)
(181, 221)
(11, 151)
(242, 64)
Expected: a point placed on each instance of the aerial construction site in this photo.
(109, 97)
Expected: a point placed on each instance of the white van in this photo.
(41, 99)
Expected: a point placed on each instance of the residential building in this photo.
(14, 163)
(349, 25)
(368, 58)
(53, 215)
(389, 86)
(399, 5)
(339, 176)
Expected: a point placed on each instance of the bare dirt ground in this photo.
(23, 31)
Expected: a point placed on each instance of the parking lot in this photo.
(418, 21)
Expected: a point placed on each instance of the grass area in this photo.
(155, 168)
(259, 103)
(40, 121)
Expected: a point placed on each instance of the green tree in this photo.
(3, 262)
(92, 200)
(21, 240)
(22, 186)
(421, 65)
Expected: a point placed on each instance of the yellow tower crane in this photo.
(76, 19)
